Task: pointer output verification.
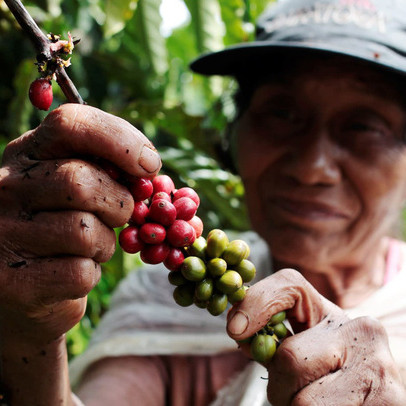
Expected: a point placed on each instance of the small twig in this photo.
(27, 23)
(67, 86)
(42, 45)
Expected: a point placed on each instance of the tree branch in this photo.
(42, 45)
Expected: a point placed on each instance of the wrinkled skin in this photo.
(323, 162)
(331, 360)
(58, 208)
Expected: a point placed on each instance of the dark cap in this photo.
(368, 30)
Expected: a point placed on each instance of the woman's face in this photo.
(321, 154)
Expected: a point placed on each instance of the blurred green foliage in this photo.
(126, 65)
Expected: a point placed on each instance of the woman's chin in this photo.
(302, 251)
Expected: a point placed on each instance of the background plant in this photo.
(127, 65)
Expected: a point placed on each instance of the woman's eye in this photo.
(277, 113)
(275, 105)
(283, 114)
(363, 127)
(367, 132)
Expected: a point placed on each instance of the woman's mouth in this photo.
(307, 212)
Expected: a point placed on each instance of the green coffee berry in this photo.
(263, 348)
(217, 242)
(238, 295)
(202, 304)
(204, 289)
(278, 318)
(280, 330)
(229, 282)
(216, 267)
(176, 278)
(193, 269)
(246, 269)
(217, 304)
(198, 248)
(235, 252)
(184, 295)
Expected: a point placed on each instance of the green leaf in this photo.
(222, 192)
(232, 13)
(148, 21)
(206, 20)
(256, 7)
(118, 12)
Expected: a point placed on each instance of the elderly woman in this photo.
(319, 142)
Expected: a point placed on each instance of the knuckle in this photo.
(78, 176)
(53, 125)
(81, 275)
(88, 275)
(94, 239)
(368, 327)
(67, 122)
(63, 117)
(14, 147)
(107, 247)
(371, 324)
(9, 151)
(84, 229)
(293, 276)
(368, 341)
(289, 355)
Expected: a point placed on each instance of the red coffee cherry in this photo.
(180, 234)
(40, 94)
(152, 233)
(161, 195)
(141, 189)
(162, 212)
(163, 183)
(197, 223)
(187, 192)
(154, 254)
(130, 241)
(186, 208)
(175, 259)
(140, 213)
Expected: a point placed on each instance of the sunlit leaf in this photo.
(118, 12)
(206, 20)
(148, 22)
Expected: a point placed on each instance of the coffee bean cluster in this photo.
(265, 342)
(213, 273)
(210, 272)
(163, 221)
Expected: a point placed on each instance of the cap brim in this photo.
(237, 59)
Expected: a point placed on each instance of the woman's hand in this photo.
(331, 360)
(57, 213)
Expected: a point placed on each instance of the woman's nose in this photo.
(314, 161)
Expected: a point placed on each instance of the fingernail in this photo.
(239, 323)
(149, 159)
